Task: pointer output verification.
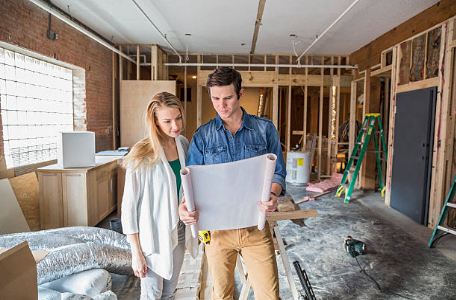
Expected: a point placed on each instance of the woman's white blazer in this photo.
(150, 208)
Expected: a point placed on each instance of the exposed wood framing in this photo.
(269, 78)
(304, 132)
(138, 64)
(275, 98)
(337, 84)
(444, 121)
(199, 97)
(289, 108)
(438, 192)
(153, 66)
(113, 99)
(320, 124)
(185, 98)
(370, 54)
(392, 116)
(330, 103)
(257, 24)
(351, 140)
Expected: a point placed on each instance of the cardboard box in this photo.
(18, 276)
(76, 149)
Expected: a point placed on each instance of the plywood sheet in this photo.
(26, 190)
(134, 97)
(11, 217)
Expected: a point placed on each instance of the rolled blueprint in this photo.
(227, 194)
(269, 174)
(188, 190)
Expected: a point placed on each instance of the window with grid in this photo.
(36, 103)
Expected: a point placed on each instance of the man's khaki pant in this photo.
(257, 250)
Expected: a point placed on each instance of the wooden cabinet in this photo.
(78, 196)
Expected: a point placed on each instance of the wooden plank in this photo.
(257, 25)
(438, 192)
(352, 134)
(330, 103)
(382, 72)
(199, 94)
(134, 97)
(249, 79)
(120, 65)
(417, 85)
(292, 215)
(27, 193)
(304, 133)
(336, 146)
(269, 79)
(275, 98)
(320, 125)
(289, 108)
(185, 99)
(394, 81)
(154, 60)
(138, 64)
(113, 101)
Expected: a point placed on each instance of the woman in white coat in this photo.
(152, 195)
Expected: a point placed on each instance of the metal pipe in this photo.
(65, 19)
(158, 30)
(327, 29)
(257, 65)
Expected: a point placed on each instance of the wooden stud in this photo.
(440, 140)
(154, 60)
(353, 94)
(113, 101)
(185, 98)
(320, 125)
(392, 115)
(199, 97)
(304, 133)
(330, 103)
(289, 109)
(275, 99)
(337, 113)
(138, 63)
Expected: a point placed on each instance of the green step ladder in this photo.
(440, 230)
(361, 143)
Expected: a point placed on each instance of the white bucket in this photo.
(298, 167)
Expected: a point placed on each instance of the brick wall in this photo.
(24, 24)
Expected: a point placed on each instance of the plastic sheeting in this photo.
(75, 249)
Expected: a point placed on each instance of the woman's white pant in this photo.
(154, 287)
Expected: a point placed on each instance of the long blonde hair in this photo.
(148, 149)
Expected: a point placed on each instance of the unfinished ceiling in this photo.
(229, 26)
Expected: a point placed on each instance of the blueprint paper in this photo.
(227, 195)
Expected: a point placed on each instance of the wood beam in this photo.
(261, 5)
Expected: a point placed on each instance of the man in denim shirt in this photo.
(234, 135)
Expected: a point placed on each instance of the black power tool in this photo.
(354, 247)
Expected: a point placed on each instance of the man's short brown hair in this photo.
(224, 76)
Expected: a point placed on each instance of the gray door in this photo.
(412, 161)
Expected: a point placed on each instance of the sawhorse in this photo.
(278, 241)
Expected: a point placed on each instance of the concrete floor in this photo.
(397, 258)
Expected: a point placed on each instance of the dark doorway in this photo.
(412, 161)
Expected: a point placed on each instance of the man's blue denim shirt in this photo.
(212, 143)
